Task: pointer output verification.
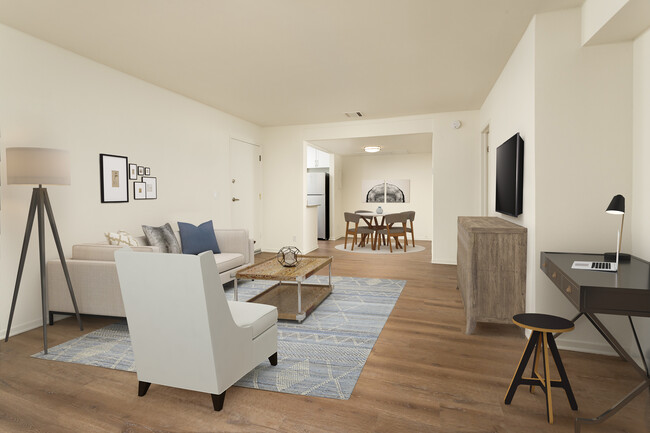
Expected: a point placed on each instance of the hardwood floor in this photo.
(423, 375)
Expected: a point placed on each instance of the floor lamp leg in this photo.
(41, 255)
(57, 240)
(23, 255)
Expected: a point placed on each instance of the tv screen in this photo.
(510, 176)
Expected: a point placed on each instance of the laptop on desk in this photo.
(600, 266)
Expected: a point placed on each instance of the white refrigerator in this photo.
(318, 194)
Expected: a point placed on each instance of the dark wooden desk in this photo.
(626, 292)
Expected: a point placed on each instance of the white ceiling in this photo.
(286, 62)
(390, 144)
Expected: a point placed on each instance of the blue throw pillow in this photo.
(195, 239)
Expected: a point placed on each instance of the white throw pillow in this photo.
(121, 238)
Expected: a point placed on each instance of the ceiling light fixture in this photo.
(372, 149)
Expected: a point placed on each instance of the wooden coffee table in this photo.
(294, 300)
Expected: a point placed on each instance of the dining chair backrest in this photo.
(362, 211)
(410, 215)
(393, 218)
(351, 217)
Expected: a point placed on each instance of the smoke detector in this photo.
(354, 114)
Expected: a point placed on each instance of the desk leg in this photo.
(611, 411)
(235, 291)
(619, 349)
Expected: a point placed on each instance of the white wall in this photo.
(415, 167)
(640, 227)
(456, 165)
(50, 97)
(595, 14)
(573, 106)
(583, 138)
(508, 109)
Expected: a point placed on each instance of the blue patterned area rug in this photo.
(323, 356)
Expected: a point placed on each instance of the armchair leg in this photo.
(217, 401)
(143, 387)
(273, 359)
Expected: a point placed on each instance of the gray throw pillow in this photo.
(162, 237)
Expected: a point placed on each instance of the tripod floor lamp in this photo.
(39, 166)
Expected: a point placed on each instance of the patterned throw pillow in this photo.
(121, 238)
(162, 237)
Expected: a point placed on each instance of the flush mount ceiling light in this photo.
(372, 149)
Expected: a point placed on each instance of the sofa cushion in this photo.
(259, 317)
(227, 261)
(121, 238)
(195, 240)
(162, 237)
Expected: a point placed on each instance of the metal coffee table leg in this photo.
(301, 315)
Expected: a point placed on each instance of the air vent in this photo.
(354, 114)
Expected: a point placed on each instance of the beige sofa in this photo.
(94, 275)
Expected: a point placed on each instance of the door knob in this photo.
(235, 199)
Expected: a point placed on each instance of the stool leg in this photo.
(516, 379)
(560, 368)
(533, 372)
(547, 382)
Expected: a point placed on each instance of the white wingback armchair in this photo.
(184, 332)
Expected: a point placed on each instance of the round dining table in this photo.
(375, 221)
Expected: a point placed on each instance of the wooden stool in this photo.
(543, 327)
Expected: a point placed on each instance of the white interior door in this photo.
(245, 167)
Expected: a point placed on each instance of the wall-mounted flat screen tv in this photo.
(510, 176)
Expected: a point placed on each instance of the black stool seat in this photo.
(543, 322)
(541, 341)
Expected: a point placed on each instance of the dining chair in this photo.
(391, 230)
(410, 217)
(354, 231)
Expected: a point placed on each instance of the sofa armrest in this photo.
(103, 251)
(95, 285)
(235, 241)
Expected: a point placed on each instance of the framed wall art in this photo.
(373, 191)
(113, 178)
(133, 171)
(140, 170)
(139, 190)
(147, 171)
(151, 190)
(398, 191)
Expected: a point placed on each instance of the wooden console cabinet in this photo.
(491, 269)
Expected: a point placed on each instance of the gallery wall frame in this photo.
(113, 178)
(139, 190)
(151, 187)
(133, 171)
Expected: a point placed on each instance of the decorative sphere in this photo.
(288, 256)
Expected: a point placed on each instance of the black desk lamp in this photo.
(617, 207)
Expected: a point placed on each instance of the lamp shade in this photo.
(617, 205)
(37, 166)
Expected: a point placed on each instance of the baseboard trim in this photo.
(585, 347)
(22, 327)
(443, 262)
